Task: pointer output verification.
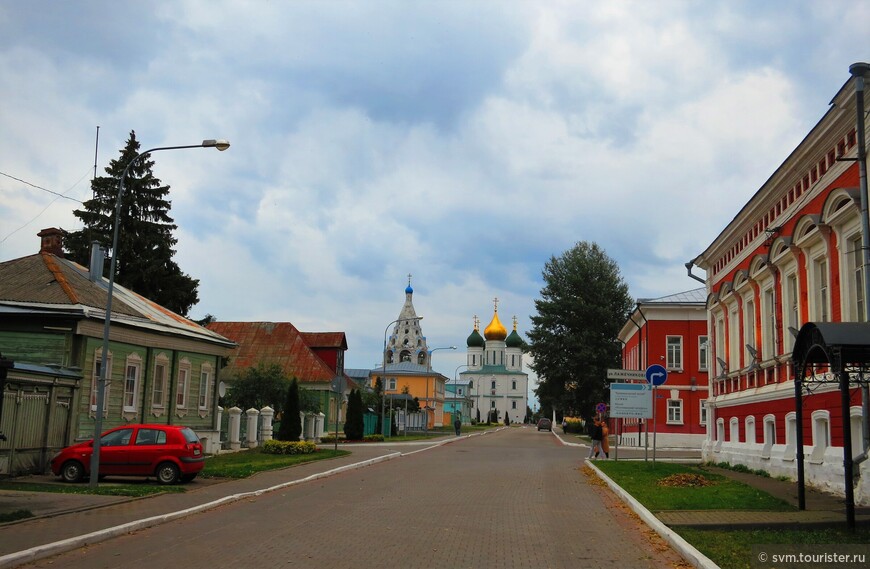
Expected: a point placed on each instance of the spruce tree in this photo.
(145, 240)
(291, 426)
(354, 426)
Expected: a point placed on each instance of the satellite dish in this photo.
(222, 389)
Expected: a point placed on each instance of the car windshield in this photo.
(189, 435)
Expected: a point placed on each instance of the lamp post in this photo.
(384, 369)
(221, 145)
(428, 373)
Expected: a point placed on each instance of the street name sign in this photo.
(631, 400)
(626, 374)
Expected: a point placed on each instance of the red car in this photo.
(170, 453)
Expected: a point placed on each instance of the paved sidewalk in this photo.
(66, 519)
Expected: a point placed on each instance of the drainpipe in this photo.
(689, 266)
(859, 71)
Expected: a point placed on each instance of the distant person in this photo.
(595, 433)
(457, 426)
(605, 438)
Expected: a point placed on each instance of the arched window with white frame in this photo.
(821, 428)
(769, 435)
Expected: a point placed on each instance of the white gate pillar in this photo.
(267, 413)
(234, 427)
(252, 427)
(308, 430)
(318, 426)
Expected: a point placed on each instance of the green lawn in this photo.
(730, 549)
(641, 480)
(245, 463)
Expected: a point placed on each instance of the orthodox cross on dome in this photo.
(515, 322)
(495, 301)
(476, 322)
(409, 279)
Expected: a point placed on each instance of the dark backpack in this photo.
(598, 434)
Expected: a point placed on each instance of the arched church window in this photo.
(390, 357)
(405, 342)
(405, 356)
(421, 358)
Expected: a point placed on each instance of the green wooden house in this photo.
(162, 367)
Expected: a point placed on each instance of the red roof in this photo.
(280, 343)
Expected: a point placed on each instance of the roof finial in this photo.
(409, 279)
(476, 323)
(495, 300)
(515, 323)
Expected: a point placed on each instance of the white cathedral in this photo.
(495, 377)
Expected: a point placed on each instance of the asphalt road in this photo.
(512, 499)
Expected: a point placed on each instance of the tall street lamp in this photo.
(221, 145)
(384, 370)
(428, 373)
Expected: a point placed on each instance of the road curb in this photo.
(683, 547)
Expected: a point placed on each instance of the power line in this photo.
(46, 189)
(59, 195)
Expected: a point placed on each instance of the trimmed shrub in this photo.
(289, 447)
(374, 438)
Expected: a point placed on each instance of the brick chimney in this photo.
(52, 241)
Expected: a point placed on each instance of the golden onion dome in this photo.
(495, 330)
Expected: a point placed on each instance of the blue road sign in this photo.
(656, 374)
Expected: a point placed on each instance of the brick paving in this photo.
(511, 499)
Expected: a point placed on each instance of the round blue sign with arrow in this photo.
(656, 374)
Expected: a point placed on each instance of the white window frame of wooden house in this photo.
(391, 384)
(674, 350)
(95, 380)
(132, 378)
(160, 384)
(182, 383)
(205, 375)
(703, 353)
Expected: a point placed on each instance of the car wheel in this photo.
(188, 477)
(167, 473)
(72, 471)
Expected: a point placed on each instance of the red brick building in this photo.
(671, 331)
(792, 255)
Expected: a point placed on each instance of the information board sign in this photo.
(631, 400)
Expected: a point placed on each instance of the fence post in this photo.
(308, 433)
(252, 427)
(234, 427)
(266, 427)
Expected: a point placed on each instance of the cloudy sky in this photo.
(465, 142)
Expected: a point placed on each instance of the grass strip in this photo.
(104, 489)
(642, 480)
(245, 463)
